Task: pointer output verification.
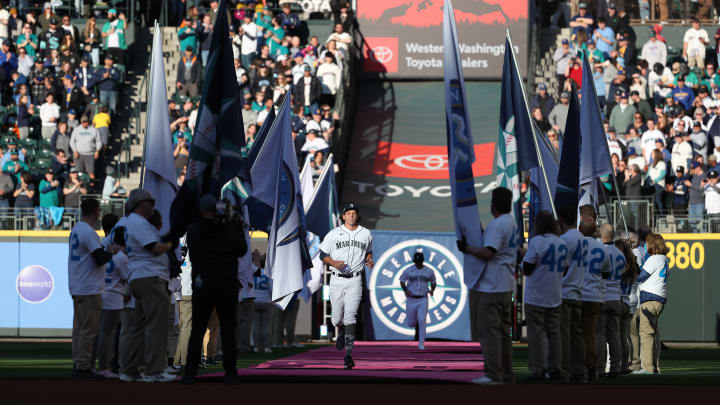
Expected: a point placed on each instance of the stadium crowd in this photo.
(660, 110)
(59, 86)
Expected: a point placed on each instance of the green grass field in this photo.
(680, 365)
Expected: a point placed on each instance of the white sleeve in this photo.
(326, 244)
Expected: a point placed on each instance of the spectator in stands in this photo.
(626, 51)
(188, 74)
(540, 121)
(712, 194)
(682, 152)
(289, 21)
(656, 175)
(666, 156)
(187, 34)
(181, 129)
(112, 188)
(24, 191)
(543, 100)
(698, 140)
(28, 40)
(250, 33)
(654, 51)
(308, 90)
(86, 145)
(562, 58)
(683, 94)
(61, 138)
(558, 115)
(621, 116)
(74, 188)
(50, 38)
(712, 164)
(74, 98)
(632, 182)
(604, 37)
(342, 39)
(91, 37)
(25, 64)
(638, 125)
(660, 82)
(113, 34)
(694, 43)
(331, 78)
(25, 111)
(60, 166)
(11, 146)
(182, 151)
(314, 142)
(14, 166)
(344, 15)
(108, 79)
(67, 26)
(574, 73)
(581, 21)
(101, 122)
(49, 190)
(49, 115)
(248, 114)
(43, 21)
(635, 159)
(204, 36)
(680, 191)
(7, 186)
(615, 145)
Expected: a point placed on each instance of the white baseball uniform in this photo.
(350, 247)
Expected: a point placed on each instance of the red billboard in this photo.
(404, 37)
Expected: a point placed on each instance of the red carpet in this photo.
(392, 361)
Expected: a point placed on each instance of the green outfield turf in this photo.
(680, 365)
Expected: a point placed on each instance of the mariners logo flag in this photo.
(287, 253)
(461, 153)
(216, 150)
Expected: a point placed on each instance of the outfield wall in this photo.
(35, 301)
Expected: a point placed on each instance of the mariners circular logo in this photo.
(381, 54)
(34, 284)
(388, 299)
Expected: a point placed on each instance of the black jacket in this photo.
(194, 70)
(214, 249)
(315, 91)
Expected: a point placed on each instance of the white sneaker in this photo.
(108, 374)
(640, 372)
(421, 346)
(161, 377)
(267, 350)
(484, 380)
(297, 345)
(126, 378)
(171, 370)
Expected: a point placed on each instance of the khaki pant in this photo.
(663, 7)
(608, 336)
(173, 332)
(635, 341)
(86, 326)
(543, 323)
(474, 303)
(148, 335)
(210, 340)
(245, 324)
(109, 323)
(650, 336)
(571, 336)
(590, 312)
(126, 320)
(495, 322)
(625, 317)
(185, 309)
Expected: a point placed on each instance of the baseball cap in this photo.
(299, 55)
(108, 56)
(582, 5)
(660, 141)
(73, 170)
(697, 124)
(68, 77)
(112, 11)
(308, 68)
(680, 169)
(188, 48)
(84, 118)
(631, 151)
(53, 20)
(208, 203)
(634, 93)
(564, 94)
(653, 33)
(281, 58)
(612, 6)
(6, 42)
(314, 131)
(695, 165)
(50, 171)
(681, 78)
(71, 111)
(590, 42)
(712, 174)
(316, 111)
(565, 41)
(622, 94)
(350, 207)
(14, 152)
(542, 86)
(137, 196)
(712, 158)
(180, 135)
(12, 141)
(704, 89)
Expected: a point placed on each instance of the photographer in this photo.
(215, 242)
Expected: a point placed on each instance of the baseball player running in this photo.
(414, 281)
(347, 249)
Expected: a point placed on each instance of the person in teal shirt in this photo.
(594, 54)
(184, 130)
(14, 166)
(28, 40)
(187, 34)
(274, 35)
(49, 188)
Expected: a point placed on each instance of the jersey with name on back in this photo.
(262, 290)
(116, 274)
(84, 276)
(572, 283)
(549, 254)
(656, 266)
(502, 236)
(611, 285)
(596, 263)
(348, 246)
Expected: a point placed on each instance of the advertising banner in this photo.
(448, 314)
(404, 37)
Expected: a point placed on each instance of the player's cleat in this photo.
(641, 372)
(86, 375)
(484, 380)
(421, 346)
(108, 374)
(349, 363)
(340, 341)
(127, 378)
(297, 345)
(160, 377)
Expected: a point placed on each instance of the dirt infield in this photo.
(115, 392)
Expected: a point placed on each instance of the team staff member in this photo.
(86, 279)
(544, 265)
(496, 287)
(608, 326)
(347, 249)
(571, 335)
(596, 265)
(414, 282)
(148, 274)
(214, 244)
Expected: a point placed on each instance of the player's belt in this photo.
(418, 296)
(345, 275)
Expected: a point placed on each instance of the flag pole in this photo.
(607, 149)
(532, 127)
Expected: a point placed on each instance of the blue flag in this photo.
(160, 177)
(594, 154)
(540, 191)
(216, 150)
(287, 254)
(323, 211)
(461, 154)
(568, 184)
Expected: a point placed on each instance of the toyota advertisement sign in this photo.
(403, 38)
